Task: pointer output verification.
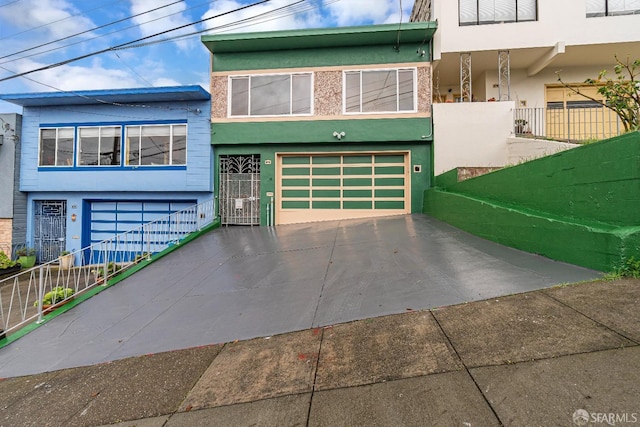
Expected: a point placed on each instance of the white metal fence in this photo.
(567, 124)
(22, 295)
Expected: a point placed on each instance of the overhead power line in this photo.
(88, 55)
(88, 31)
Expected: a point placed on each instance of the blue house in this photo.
(98, 163)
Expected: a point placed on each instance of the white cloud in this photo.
(74, 77)
(53, 18)
(363, 12)
(303, 15)
(165, 81)
(162, 19)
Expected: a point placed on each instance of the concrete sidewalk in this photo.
(535, 358)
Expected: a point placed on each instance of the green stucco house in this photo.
(322, 124)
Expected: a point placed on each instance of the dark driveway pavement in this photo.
(237, 283)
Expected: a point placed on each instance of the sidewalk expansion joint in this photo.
(315, 376)
(589, 317)
(495, 414)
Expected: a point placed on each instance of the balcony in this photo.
(577, 125)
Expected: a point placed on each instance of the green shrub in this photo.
(57, 294)
(5, 261)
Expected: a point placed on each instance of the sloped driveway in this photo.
(241, 282)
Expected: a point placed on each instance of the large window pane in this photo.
(179, 151)
(89, 146)
(110, 146)
(468, 12)
(154, 145)
(48, 147)
(596, 7)
(133, 145)
(65, 147)
(406, 94)
(240, 96)
(352, 92)
(379, 89)
(527, 10)
(301, 94)
(270, 95)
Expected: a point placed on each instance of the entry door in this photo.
(50, 229)
(240, 190)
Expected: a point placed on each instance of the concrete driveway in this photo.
(240, 282)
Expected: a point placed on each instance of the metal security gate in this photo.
(50, 229)
(240, 189)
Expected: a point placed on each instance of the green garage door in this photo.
(321, 187)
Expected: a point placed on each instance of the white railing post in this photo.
(40, 292)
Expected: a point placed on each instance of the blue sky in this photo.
(56, 24)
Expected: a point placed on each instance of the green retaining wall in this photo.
(421, 154)
(580, 206)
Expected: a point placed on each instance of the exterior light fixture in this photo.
(339, 135)
(74, 217)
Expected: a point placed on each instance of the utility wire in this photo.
(88, 31)
(78, 58)
(53, 22)
(42, 52)
(246, 22)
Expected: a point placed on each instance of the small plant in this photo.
(100, 273)
(5, 261)
(629, 268)
(63, 253)
(25, 251)
(56, 295)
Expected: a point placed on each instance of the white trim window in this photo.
(156, 145)
(597, 8)
(99, 145)
(270, 95)
(479, 12)
(380, 91)
(56, 147)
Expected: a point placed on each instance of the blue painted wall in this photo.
(196, 176)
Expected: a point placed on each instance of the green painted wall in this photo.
(597, 182)
(421, 154)
(360, 55)
(580, 206)
(321, 131)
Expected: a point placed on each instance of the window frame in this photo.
(230, 79)
(607, 12)
(414, 71)
(478, 14)
(78, 142)
(57, 139)
(140, 126)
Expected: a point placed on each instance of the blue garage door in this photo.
(109, 218)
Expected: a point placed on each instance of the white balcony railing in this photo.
(567, 124)
(21, 295)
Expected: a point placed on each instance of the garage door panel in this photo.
(349, 185)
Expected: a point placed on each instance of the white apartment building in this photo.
(513, 51)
